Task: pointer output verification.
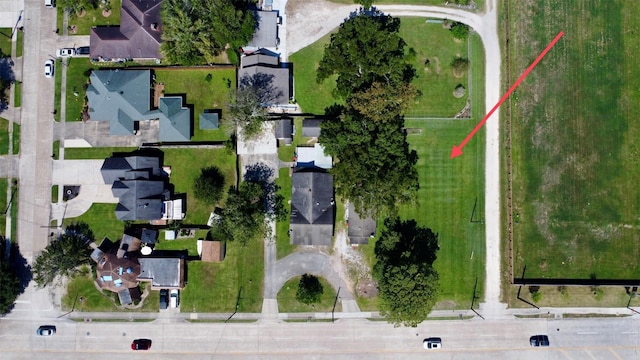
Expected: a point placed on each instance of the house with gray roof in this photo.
(266, 34)
(311, 127)
(312, 207)
(360, 228)
(285, 130)
(123, 98)
(138, 36)
(268, 63)
(210, 120)
(162, 272)
(142, 188)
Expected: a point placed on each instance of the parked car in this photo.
(48, 68)
(50, 3)
(66, 52)
(141, 344)
(82, 50)
(46, 330)
(432, 343)
(539, 340)
(164, 296)
(174, 300)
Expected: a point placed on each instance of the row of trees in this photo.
(374, 167)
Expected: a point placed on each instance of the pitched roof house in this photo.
(312, 207)
(268, 63)
(311, 127)
(162, 272)
(141, 186)
(123, 97)
(137, 37)
(285, 130)
(307, 156)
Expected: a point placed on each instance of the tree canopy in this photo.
(407, 282)
(63, 255)
(366, 49)
(374, 167)
(309, 289)
(196, 31)
(248, 104)
(209, 186)
(9, 286)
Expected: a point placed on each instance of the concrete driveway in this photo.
(85, 173)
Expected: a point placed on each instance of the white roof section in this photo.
(313, 156)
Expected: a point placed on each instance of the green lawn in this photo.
(575, 143)
(479, 3)
(93, 152)
(78, 71)
(3, 204)
(20, 44)
(287, 298)
(179, 244)
(436, 81)
(93, 17)
(185, 168)
(17, 97)
(4, 136)
(214, 287)
(283, 242)
(5, 42)
(16, 138)
(102, 221)
(202, 94)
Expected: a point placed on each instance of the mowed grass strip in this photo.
(287, 301)
(435, 81)
(449, 188)
(214, 287)
(575, 143)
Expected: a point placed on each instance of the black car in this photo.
(82, 50)
(539, 340)
(141, 344)
(46, 330)
(164, 299)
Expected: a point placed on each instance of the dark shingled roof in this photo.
(285, 130)
(360, 230)
(311, 127)
(266, 35)
(264, 62)
(312, 207)
(135, 38)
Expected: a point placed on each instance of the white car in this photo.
(432, 343)
(174, 298)
(66, 52)
(48, 68)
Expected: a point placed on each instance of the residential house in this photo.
(285, 130)
(162, 272)
(312, 207)
(210, 120)
(313, 156)
(137, 37)
(268, 64)
(142, 188)
(266, 33)
(123, 98)
(360, 229)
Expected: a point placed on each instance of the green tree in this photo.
(407, 282)
(209, 186)
(9, 286)
(248, 104)
(243, 218)
(64, 254)
(373, 166)
(309, 289)
(459, 30)
(196, 31)
(365, 3)
(366, 49)
(75, 7)
(383, 103)
(460, 65)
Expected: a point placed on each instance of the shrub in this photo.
(460, 31)
(460, 65)
(309, 289)
(209, 185)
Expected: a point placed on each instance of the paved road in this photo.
(344, 339)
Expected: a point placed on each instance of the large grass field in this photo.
(435, 81)
(203, 94)
(575, 143)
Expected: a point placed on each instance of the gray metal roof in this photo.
(209, 121)
(312, 207)
(360, 229)
(260, 62)
(311, 127)
(137, 37)
(175, 120)
(163, 272)
(284, 129)
(266, 35)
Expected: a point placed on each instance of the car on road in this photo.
(539, 340)
(432, 343)
(66, 52)
(46, 330)
(48, 68)
(164, 297)
(141, 344)
(174, 300)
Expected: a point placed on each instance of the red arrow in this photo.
(457, 150)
